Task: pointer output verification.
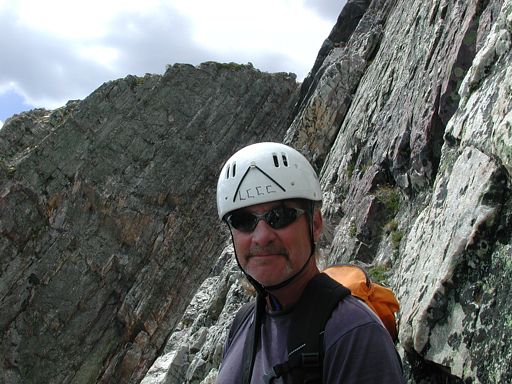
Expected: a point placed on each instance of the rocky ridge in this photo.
(108, 221)
(407, 116)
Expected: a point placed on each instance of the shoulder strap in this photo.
(305, 336)
(251, 341)
(243, 313)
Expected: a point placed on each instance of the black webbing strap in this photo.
(245, 311)
(251, 342)
(305, 336)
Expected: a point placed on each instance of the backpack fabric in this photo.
(310, 315)
(380, 299)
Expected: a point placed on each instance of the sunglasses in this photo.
(277, 218)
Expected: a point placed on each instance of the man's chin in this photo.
(269, 275)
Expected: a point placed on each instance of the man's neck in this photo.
(290, 294)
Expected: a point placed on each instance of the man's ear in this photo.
(318, 224)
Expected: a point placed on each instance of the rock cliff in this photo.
(108, 218)
(107, 205)
(407, 115)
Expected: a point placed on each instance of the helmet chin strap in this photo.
(265, 290)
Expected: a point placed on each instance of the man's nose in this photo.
(263, 233)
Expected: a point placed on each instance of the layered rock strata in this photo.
(108, 222)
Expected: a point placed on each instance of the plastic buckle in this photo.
(310, 360)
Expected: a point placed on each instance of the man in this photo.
(270, 196)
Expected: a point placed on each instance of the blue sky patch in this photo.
(12, 103)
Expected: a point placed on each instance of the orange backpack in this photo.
(380, 299)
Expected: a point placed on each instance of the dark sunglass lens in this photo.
(243, 221)
(281, 217)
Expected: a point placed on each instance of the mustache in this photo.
(275, 250)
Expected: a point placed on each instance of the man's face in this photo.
(272, 255)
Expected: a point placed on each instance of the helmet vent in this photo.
(231, 168)
(276, 160)
(285, 159)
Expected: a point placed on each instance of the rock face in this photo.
(108, 221)
(407, 115)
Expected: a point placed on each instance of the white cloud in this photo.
(77, 19)
(326, 8)
(57, 50)
(262, 26)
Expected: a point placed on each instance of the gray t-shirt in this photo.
(358, 349)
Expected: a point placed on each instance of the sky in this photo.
(53, 51)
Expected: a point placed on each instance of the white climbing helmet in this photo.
(264, 172)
